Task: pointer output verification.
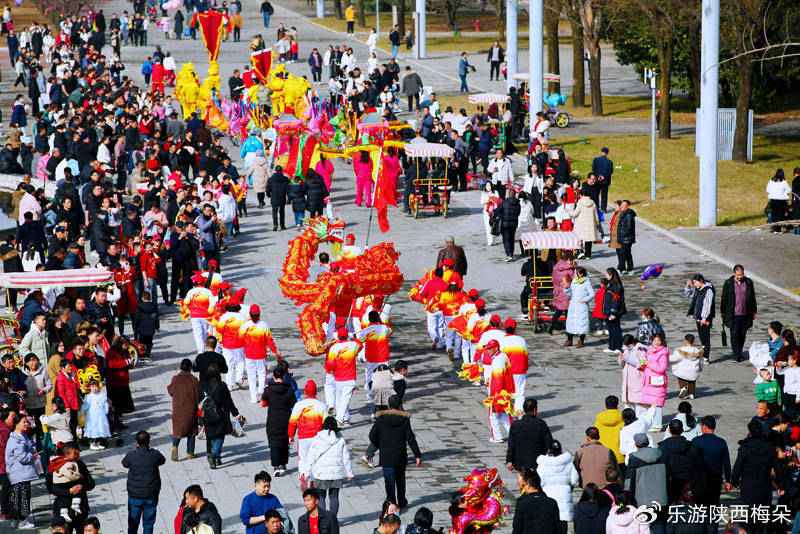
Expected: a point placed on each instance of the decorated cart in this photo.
(430, 194)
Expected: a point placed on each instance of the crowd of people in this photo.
(138, 189)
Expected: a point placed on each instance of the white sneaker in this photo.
(493, 440)
(690, 397)
(26, 525)
(610, 351)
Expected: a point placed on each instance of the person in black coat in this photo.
(535, 512)
(591, 511)
(183, 250)
(198, 510)
(603, 168)
(279, 398)
(754, 464)
(316, 193)
(680, 461)
(390, 434)
(277, 191)
(208, 358)
(626, 235)
(528, 438)
(146, 322)
(509, 220)
(217, 425)
(738, 310)
(31, 234)
(12, 263)
(63, 495)
(144, 482)
(614, 308)
(297, 196)
(326, 521)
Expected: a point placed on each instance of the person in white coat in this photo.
(581, 297)
(372, 41)
(329, 464)
(502, 172)
(559, 476)
(632, 426)
(687, 364)
(584, 215)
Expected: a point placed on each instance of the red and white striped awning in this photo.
(550, 240)
(65, 278)
(428, 150)
(488, 98)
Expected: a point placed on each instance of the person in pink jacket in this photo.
(654, 385)
(325, 169)
(390, 163)
(564, 269)
(362, 166)
(630, 359)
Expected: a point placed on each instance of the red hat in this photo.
(239, 295)
(448, 262)
(341, 332)
(492, 344)
(480, 304)
(311, 389)
(223, 286)
(255, 310)
(549, 171)
(495, 319)
(349, 239)
(212, 264)
(510, 323)
(198, 278)
(473, 293)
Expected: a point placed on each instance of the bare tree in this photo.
(500, 16)
(362, 13)
(69, 8)
(592, 16)
(552, 17)
(578, 71)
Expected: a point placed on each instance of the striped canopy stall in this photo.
(488, 98)
(550, 240)
(428, 150)
(65, 278)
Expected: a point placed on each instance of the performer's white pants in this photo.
(452, 341)
(344, 392)
(487, 374)
(435, 327)
(488, 227)
(355, 325)
(256, 377)
(467, 350)
(368, 370)
(331, 328)
(330, 391)
(200, 333)
(519, 392)
(235, 360)
(303, 446)
(499, 424)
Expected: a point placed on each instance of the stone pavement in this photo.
(448, 416)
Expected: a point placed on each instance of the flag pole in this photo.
(374, 192)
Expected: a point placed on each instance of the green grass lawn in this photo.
(741, 195)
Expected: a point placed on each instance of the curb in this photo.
(719, 259)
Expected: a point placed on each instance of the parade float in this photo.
(371, 272)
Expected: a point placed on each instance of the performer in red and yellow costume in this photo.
(257, 339)
(516, 349)
(342, 361)
(306, 421)
(198, 305)
(501, 393)
(228, 328)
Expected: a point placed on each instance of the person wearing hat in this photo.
(341, 365)
(646, 474)
(516, 349)
(198, 305)
(492, 331)
(305, 422)
(460, 323)
(228, 328)
(257, 339)
(448, 304)
(429, 295)
(501, 392)
(477, 323)
(375, 338)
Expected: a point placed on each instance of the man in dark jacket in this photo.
(701, 309)
(738, 308)
(326, 522)
(626, 236)
(390, 434)
(199, 510)
(146, 322)
(451, 251)
(676, 452)
(31, 234)
(713, 463)
(509, 220)
(646, 475)
(316, 193)
(64, 493)
(100, 312)
(535, 512)
(144, 483)
(210, 356)
(528, 438)
(277, 190)
(603, 168)
(754, 464)
(280, 399)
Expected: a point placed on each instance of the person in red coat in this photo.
(598, 317)
(157, 79)
(67, 390)
(124, 277)
(118, 363)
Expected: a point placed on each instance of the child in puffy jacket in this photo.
(598, 318)
(687, 364)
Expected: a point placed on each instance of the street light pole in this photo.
(536, 57)
(512, 30)
(707, 132)
(378, 18)
(650, 77)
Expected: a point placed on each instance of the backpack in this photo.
(210, 411)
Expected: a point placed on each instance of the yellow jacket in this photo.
(609, 423)
(350, 14)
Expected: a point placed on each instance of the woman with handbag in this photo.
(329, 464)
(23, 466)
(216, 408)
(654, 387)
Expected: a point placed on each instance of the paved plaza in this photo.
(447, 415)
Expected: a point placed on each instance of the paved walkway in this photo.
(448, 416)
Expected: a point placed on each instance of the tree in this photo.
(70, 8)
(552, 16)
(500, 14)
(578, 72)
(362, 13)
(451, 9)
(337, 4)
(592, 16)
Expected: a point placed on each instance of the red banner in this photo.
(262, 62)
(210, 23)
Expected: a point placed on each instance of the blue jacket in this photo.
(18, 115)
(20, 458)
(255, 505)
(463, 66)
(147, 68)
(208, 239)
